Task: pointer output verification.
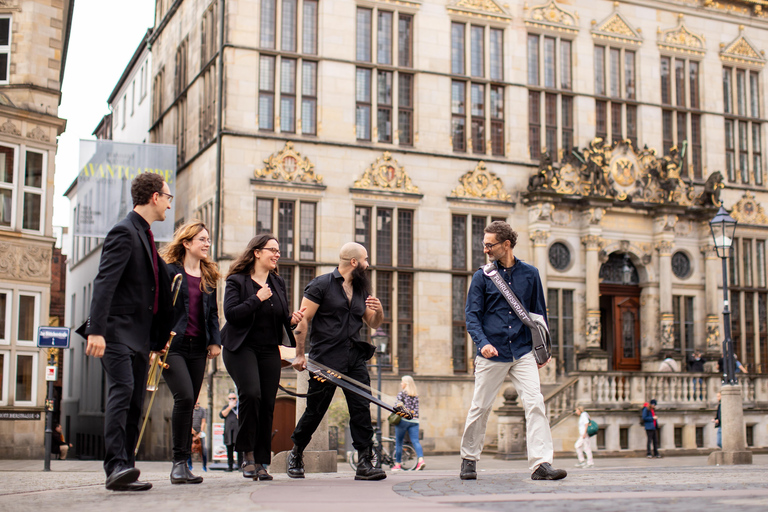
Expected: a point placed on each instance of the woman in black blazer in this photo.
(257, 312)
(196, 324)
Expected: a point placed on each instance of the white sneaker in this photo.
(590, 465)
(580, 464)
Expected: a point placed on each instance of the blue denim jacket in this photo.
(489, 317)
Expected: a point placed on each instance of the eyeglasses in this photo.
(491, 246)
(273, 249)
(204, 241)
(170, 197)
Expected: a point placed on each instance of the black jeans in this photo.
(127, 381)
(256, 372)
(359, 408)
(652, 439)
(231, 456)
(184, 376)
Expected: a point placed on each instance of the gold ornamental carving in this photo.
(386, 174)
(665, 247)
(480, 183)
(616, 28)
(749, 211)
(592, 242)
(485, 9)
(682, 40)
(25, 262)
(552, 16)
(287, 165)
(539, 238)
(741, 51)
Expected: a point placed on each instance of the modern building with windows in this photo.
(606, 133)
(34, 36)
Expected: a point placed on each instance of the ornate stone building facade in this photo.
(34, 36)
(605, 132)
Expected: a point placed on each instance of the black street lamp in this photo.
(723, 227)
(380, 339)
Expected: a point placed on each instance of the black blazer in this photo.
(124, 291)
(181, 309)
(241, 304)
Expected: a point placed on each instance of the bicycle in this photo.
(382, 456)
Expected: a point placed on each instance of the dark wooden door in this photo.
(282, 424)
(626, 334)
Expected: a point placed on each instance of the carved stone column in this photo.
(712, 294)
(539, 240)
(665, 294)
(592, 244)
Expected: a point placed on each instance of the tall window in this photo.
(33, 191)
(681, 117)
(5, 49)
(287, 69)
(157, 96)
(616, 94)
(550, 99)
(560, 316)
(180, 76)
(208, 31)
(477, 66)
(387, 234)
(294, 222)
(749, 303)
(387, 92)
(682, 323)
(743, 135)
(26, 187)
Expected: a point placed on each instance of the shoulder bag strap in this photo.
(492, 272)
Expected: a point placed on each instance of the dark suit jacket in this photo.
(181, 309)
(241, 304)
(124, 291)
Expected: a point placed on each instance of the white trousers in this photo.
(489, 377)
(583, 446)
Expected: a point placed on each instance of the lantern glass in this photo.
(723, 227)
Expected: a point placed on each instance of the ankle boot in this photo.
(192, 479)
(365, 469)
(296, 462)
(181, 475)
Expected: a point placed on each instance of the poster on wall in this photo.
(104, 184)
(219, 448)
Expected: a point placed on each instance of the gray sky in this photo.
(105, 33)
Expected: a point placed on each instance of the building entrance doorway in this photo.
(620, 313)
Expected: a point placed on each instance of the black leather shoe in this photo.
(249, 469)
(133, 486)
(296, 462)
(545, 471)
(192, 479)
(365, 469)
(120, 477)
(180, 474)
(261, 473)
(468, 469)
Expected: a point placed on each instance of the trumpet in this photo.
(157, 364)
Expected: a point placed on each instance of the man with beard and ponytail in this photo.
(337, 304)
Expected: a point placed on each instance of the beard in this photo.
(360, 281)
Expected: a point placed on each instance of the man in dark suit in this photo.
(130, 315)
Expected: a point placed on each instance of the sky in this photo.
(104, 35)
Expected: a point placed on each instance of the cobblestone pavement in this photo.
(670, 484)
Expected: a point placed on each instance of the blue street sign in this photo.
(53, 337)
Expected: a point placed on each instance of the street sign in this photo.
(50, 373)
(53, 337)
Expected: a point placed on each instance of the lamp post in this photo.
(734, 450)
(380, 338)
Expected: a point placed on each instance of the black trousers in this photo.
(231, 456)
(184, 376)
(652, 439)
(359, 408)
(256, 372)
(126, 372)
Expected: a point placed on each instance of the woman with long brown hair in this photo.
(258, 313)
(196, 322)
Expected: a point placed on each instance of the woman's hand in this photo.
(297, 316)
(213, 351)
(264, 293)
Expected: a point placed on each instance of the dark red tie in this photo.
(154, 265)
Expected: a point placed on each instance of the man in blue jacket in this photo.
(504, 347)
(651, 423)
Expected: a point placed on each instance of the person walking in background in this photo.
(583, 446)
(669, 365)
(229, 415)
(196, 324)
(504, 347)
(650, 421)
(258, 314)
(199, 424)
(409, 398)
(718, 423)
(130, 315)
(338, 305)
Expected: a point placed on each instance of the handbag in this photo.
(394, 419)
(592, 428)
(542, 341)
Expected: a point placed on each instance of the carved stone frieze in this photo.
(665, 223)
(38, 133)
(539, 237)
(616, 28)
(713, 333)
(552, 16)
(741, 51)
(487, 9)
(667, 329)
(25, 262)
(9, 128)
(683, 228)
(593, 330)
(749, 211)
(592, 242)
(665, 247)
(480, 183)
(681, 40)
(386, 174)
(287, 165)
(540, 212)
(562, 217)
(615, 171)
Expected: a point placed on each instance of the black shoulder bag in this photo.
(542, 341)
